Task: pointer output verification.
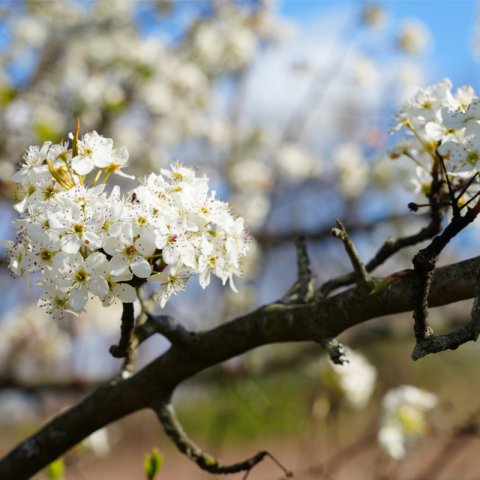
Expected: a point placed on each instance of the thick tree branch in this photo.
(165, 325)
(273, 323)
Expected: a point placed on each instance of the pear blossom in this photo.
(128, 251)
(86, 242)
(354, 380)
(442, 125)
(172, 282)
(403, 421)
(79, 277)
(117, 275)
(93, 151)
(413, 37)
(34, 166)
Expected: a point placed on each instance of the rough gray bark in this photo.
(316, 321)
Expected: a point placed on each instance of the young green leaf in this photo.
(56, 470)
(153, 463)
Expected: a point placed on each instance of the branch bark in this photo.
(277, 322)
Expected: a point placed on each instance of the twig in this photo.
(177, 434)
(465, 187)
(452, 340)
(358, 267)
(389, 248)
(424, 263)
(302, 291)
(454, 202)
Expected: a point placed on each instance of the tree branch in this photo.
(388, 249)
(173, 428)
(424, 263)
(272, 323)
(125, 349)
(358, 267)
(165, 325)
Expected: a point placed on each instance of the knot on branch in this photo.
(335, 350)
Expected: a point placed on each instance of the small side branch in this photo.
(358, 267)
(424, 263)
(388, 249)
(302, 291)
(452, 340)
(177, 434)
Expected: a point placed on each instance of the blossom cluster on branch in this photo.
(443, 124)
(86, 240)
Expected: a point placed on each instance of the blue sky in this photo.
(451, 24)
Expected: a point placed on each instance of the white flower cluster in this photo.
(85, 241)
(403, 418)
(442, 123)
(354, 380)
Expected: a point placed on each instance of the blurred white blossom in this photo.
(403, 421)
(296, 164)
(413, 36)
(354, 380)
(16, 408)
(374, 15)
(352, 169)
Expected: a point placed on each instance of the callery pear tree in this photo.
(83, 240)
(190, 176)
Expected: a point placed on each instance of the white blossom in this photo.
(85, 242)
(354, 380)
(413, 36)
(442, 125)
(403, 420)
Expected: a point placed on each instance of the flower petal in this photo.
(126, 293)
(140, 267)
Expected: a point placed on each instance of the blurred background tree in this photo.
(287, 108)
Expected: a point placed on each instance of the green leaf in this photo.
(153, 463)
(381, 285)
(56, 470)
